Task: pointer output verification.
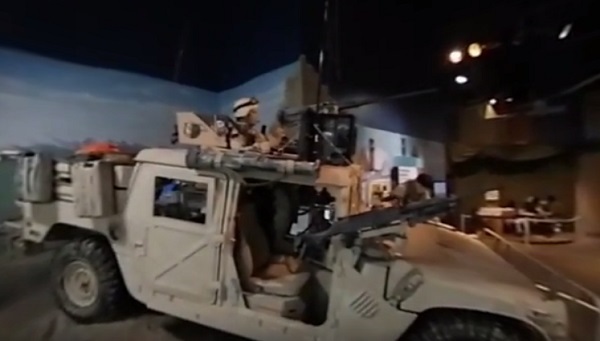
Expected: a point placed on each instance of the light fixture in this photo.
(565, 31)
(460, 79)
(455, 57)
(474, 50)
(493, 101)
(509, 99)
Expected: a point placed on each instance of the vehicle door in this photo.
(184, 236)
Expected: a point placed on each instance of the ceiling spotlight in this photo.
(474, 50)
(493, 101)
(460, 79)
(565, 31)
(509, 99)
(455, 57)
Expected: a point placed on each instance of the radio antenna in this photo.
(322, 52)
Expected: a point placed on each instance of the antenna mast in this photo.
(322, 53)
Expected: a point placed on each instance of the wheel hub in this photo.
(80, 283)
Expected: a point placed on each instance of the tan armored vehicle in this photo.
(203, 234)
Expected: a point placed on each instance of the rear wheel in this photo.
(466, 326)
(87, 283)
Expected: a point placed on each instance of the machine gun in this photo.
(362, 223)
(319, 132)
(326, 131)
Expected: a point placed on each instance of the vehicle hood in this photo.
(471, 274)
(457, 256)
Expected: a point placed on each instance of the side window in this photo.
(179, 199)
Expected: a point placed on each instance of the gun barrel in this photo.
(214, 159)
(413, 213)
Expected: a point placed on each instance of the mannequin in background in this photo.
(376, 160)
(420, 188)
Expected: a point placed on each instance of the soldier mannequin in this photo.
(412, 190)
(245, 113)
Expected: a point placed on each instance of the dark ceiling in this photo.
(385, 45)
(405, 46)
(223, 44)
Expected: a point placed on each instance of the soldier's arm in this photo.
(261, 143)
(397, 193)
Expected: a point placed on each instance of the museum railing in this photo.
(583, 306)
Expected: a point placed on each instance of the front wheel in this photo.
(466, 326)
(86, 281)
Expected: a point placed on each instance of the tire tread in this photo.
(111, 290)
(465, 326)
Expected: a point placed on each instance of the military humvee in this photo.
(203, 234)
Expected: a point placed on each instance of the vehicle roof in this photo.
(165, 156)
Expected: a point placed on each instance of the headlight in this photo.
(554, 326)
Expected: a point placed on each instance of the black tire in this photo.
(95, 254)
(466, 326)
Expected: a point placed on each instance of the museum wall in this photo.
(409, 138)
(411, 132)
(481, 125)
(591, 116)
(574, 180)
(587, 194)
(44, 102)
(520, 155)
(404, 151)
(516, 181)
(53, 105)
(587, 186)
